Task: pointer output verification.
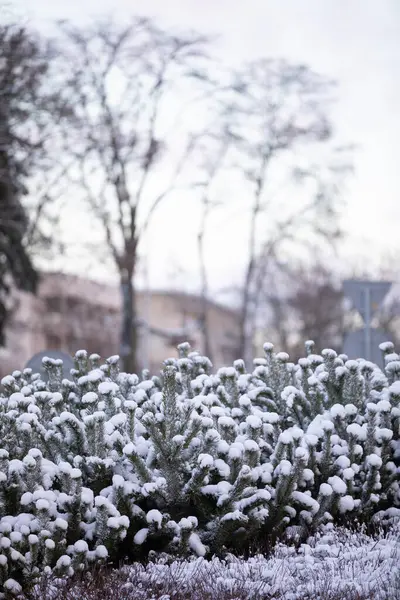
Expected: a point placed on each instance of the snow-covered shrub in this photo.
(108, 466)
(334, 564)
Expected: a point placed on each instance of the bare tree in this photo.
(273, 111)
(302, 301)
(126, 82)
(215, 152)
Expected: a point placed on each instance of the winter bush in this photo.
(107, 466)
(335, 564)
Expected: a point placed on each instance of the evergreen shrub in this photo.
(111, 466)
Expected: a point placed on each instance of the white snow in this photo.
(33, 539)
(89, 398)
(254, 422)
(108, 387)
(343, 461)
(118, 481)
(230, 372)
(351, 410)
(348, 474)
(75, 473)
(394, 388)
(61, 524)
(130, 404)
(306, 500)
(383, 435)
(226, 421)
(8, 380)
(244, 401)
(154, 516)
(356, 431)
(311, 439)
(118, 420)
(284, 467)
(386, 346)
(301, 453)
(327, 425)
(141, 536)
(13, 587)
(384, 406)
(337, 410)
(270, 417)
(15, 537)
(235, 515)
(26, 498)
(187, 523)
(374, 460)
(392, 357)
(205, 461)
(236, 451)
(338, 485)
(64, 561)
(308, 475)
(268, 347)
(285, 437)
(325, 489)
(251, 446)
(196, 545)
(123, 521)
(101, 551)
(344, 565)
(42, 504)
(222, 467)
(346, 503)
(81, 546)
(95, 375)
(112, 523)
(351, 364)
(312, 381)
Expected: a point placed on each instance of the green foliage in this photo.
(108, 466)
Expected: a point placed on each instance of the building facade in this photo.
(70, 313)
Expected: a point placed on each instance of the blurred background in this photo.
(210, 172)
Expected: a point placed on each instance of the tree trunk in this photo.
(244, 349)
(204, 289)
(128, 346)
(246, 328)
(245, 344)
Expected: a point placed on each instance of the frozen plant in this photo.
(110, 466)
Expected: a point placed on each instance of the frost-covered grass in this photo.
(334, 565)
(111, 467)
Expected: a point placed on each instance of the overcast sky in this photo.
(355, 42)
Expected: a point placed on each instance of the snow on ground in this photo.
(334, 565)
